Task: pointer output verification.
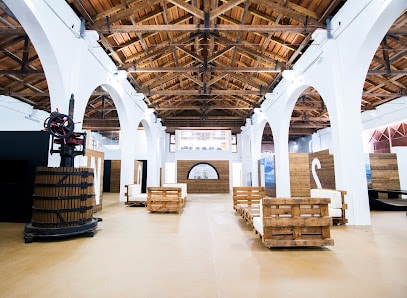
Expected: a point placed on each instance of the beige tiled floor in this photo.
(207, 251)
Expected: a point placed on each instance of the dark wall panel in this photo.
(21, 152)
(107, 168)
(112, 168)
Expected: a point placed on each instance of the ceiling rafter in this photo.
(182, 54)
(210, 28)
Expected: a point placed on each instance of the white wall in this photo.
(322, 140)
(391, 112)
(111, 147)
(18, 116)
(402, 165)
(394, 111)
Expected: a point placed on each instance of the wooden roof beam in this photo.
(248, 80)
(214, 13)
(200, 108)
(212, 69)
(193, 79)
(300, 17)
(385, 72)
(12, 31)
(158, 50)
(188, 8)
(211, 28)
(251, 49)
(201, 92)
(139, 6)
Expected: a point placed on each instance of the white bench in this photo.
(134, 196)
(337, 206)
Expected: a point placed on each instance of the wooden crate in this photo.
(326, 174)
(301, 179)
(165, 199)
(115, 176)
(385, 173)
(299, 174)
(296, 222)
(95, 159)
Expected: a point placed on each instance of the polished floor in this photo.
(207, 251)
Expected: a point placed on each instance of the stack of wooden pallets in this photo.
(165, 199)
(246, 201)
(286, 222)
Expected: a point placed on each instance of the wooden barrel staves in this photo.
(63, 197)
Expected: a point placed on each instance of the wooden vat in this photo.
(63, 197)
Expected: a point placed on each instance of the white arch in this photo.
(325, 66)
(76, 64)
(43, 41)
(148, 131)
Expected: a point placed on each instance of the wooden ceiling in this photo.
(202, 63)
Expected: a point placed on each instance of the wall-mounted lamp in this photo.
(149, 111)
(30, 117)
(289, 74)
(257, 111)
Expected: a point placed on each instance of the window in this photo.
(203, 140)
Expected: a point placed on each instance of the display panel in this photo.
(203, 170)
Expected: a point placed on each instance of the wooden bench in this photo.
(164, 199)
(337, 206)
(184, 189)
(249, 212)
(290, 222)
(388, 193)
(246, 196)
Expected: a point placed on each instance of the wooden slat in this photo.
(299, 174)
(247, 195)
(384, 169)
(297, 221)
(326, 174)
(295, 200)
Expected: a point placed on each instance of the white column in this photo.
(127, 150)
(282, 164)
(256, 152)
(350, 173)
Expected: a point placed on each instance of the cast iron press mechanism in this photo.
(63, 197)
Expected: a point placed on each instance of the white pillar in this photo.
(282, 164)
(350, 173)
(127, 151)
(256, 152)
